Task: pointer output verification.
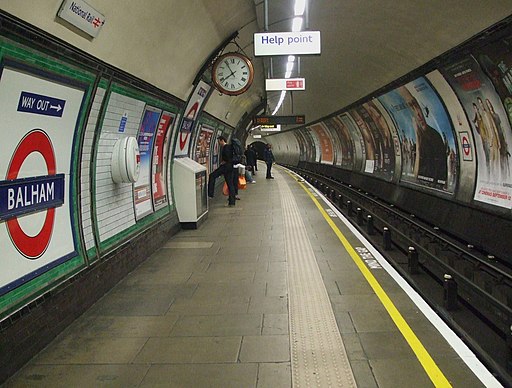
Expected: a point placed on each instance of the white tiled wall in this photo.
(114, 201)
(85, 168)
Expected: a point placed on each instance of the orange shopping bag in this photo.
(242, 183)
(225, 189)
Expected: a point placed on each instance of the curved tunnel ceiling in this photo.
(368, 44)
(365, 44)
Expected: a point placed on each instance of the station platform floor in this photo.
(277, 291)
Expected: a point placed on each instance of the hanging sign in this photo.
(285, 84)
(83, 16)
(287, 43)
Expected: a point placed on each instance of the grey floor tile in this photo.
(269, 305)
(411, 373)
(225, 290)
(212, 305)
(383, 345)
(202, 375)
(76, 350)
(192, 350)
(218, 325)
(272, 375)
(268, 348)
(80, 376)
(275, 324)
(373, 321)
(121, 326)
(363, 374)
(356, 302)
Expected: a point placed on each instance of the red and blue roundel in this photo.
(20, 196)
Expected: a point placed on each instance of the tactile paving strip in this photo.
(318, 356)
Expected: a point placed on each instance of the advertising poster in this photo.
(336, 145)
(194, 107)
(145, 139)
(326, 151)
(316, 142)
(39, 120)
(202, 154)
(368, 141)
(302, 145)
(359, 155)
(490, 127)
(160, 157)
(215, 162)
(384, 162)
(344, 155)
(310, 145)
(426, 134)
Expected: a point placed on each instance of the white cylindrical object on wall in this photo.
(125, 163)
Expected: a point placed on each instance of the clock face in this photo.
(232, 73)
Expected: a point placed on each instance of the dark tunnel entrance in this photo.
(259, 147)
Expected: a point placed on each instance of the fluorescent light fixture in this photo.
(281, 99)
(291, 58)
(289, 66)
(297, 24)
(300, 7)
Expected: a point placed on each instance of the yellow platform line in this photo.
(434, 373)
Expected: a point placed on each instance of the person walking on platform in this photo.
(226, 169)
(269, 159)
(250, 155)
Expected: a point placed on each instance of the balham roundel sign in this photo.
(28, 195)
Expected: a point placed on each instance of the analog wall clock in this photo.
(232, 73)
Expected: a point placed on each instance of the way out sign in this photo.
(40, 104)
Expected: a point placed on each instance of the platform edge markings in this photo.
(318, 356)
(455, 342)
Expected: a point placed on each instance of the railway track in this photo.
(470, 289)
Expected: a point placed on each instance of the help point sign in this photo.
(287, 43)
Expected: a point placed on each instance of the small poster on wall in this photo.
(202, 154)
(145, 138)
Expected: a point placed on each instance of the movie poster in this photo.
(145, 139)
(490, 126)
(160, 157)
(302, 145)
(325, 143)
(371, 120)
(345, 155)
(202, 153)
(311, 149)
(359, 155)
(336, 145)
(426, 135)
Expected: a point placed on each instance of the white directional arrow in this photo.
(58, 108)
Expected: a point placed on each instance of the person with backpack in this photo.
(250, 154)
(225, 168)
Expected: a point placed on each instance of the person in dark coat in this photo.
(269, 159)
(226, 169)
(250, 155)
